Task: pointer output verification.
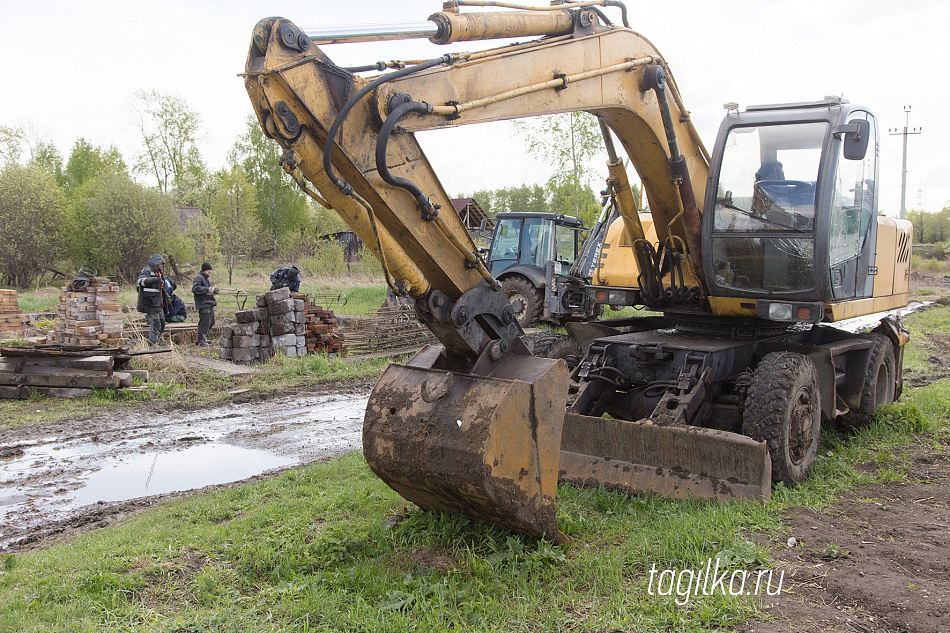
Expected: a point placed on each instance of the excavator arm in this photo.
(473, 427)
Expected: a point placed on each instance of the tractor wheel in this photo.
(878, 384)
(525, 299)
(555, 346)
(782, 408)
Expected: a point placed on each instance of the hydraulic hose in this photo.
(344, 186)
(420, 107)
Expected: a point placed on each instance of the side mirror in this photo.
(483, 225)
(856, 140)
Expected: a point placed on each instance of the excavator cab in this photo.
(792, 210)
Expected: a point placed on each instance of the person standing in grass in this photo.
(152, 299)
(205, 302)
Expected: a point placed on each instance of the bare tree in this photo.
(170, 130)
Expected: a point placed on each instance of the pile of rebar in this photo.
(391, 329)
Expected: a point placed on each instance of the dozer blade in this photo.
(674, 461)
(481, 446)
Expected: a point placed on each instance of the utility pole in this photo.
(907, 131)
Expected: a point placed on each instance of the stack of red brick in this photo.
(11, 318)
(89, 314)
(320, 323)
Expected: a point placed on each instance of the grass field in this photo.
(332, 548)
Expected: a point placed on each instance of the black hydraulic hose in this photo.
(380, 66)
(623, 10)
(419, 107)
(344, 186)
(602, 16)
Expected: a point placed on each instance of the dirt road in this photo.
(78, 474)
(879, 560)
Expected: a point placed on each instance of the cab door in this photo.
(853, 212)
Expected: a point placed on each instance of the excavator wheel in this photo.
(554, 345)
(527, 300)
(782, 409)
(878, 384)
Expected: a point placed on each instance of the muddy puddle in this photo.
(864, 323)
(46, 478)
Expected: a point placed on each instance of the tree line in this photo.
(931, 227)
(88, 209)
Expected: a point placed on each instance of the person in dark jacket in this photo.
(289, 277)
(175, 310)
(177, 313)
(205, 302)
(153, 299)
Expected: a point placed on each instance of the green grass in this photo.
(312, 550)
(43, 300)
(318, 549)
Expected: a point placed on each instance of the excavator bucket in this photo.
(482, 444)
(671, 460)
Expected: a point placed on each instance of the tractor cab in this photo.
(534, 239)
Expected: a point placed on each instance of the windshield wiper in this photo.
(749, 214)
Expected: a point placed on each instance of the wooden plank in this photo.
(21, 392)
(59, 380)
(98, 363)
(24, 366)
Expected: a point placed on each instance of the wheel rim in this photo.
(801, 425)
(519, 304)
(881, 386)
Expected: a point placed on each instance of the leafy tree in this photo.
(48, 158)
(117, 224)
(526, 198)
(87, 161)
(205, 241)
(281, 207)
(568, 142)
(170, 131)
(31, 224)
(573, 198)
(232, 212)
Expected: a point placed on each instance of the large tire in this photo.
(878, 384)
(782, 408)
(553, 345)
(527, 300)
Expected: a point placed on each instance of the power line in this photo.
(905, 134)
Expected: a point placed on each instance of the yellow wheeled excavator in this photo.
(753, 250)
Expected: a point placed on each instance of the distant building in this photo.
(467, 208)
(349, 242)
(471, 214)
(185, 216)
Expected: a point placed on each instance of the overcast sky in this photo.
(72, 68)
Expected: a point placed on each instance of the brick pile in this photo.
(90, 315)
(320, 323)
(282, 323)
(11, 318)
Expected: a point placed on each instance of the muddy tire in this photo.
(782, 408)
(556, 346)
(526, 300)
(878, 384)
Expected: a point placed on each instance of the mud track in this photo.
(879, 560)
(67, 477)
